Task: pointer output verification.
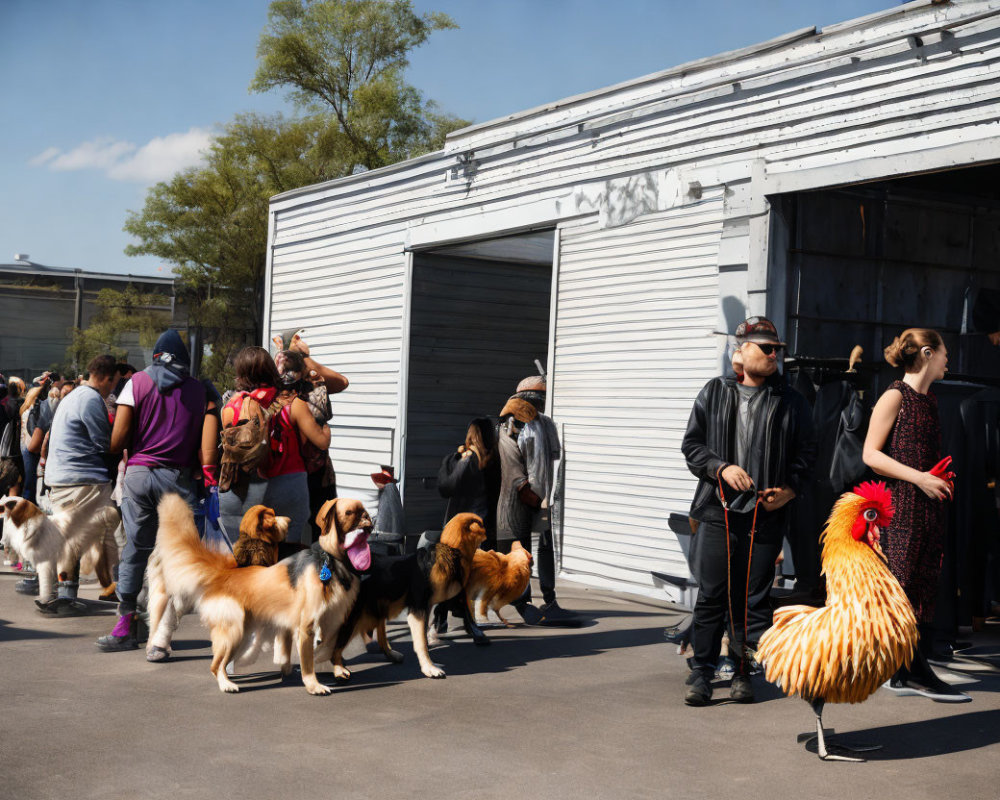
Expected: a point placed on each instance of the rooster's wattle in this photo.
(844, 651)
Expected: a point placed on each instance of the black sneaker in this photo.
(62, 607)
(556, 616)
(156, 655)
(699, 691)
(939, 693)
(530, 614)
(28, 586)
(741, 690)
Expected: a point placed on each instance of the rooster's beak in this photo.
(873, 539)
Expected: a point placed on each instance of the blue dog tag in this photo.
(325, 574)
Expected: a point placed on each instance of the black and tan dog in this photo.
(304, 597)
(413, 582)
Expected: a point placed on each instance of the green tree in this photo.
(211, 223)
(343, 62)
(121, 313)
(349, 57)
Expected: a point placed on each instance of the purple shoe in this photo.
(122, 637)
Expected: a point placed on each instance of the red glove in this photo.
(528, 497)
(210, 473)
(940, 470)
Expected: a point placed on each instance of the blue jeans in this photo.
(288, 495)
(30, 474)
(141, 493)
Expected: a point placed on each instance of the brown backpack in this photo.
(246, 444)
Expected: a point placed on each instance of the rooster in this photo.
(844, 651)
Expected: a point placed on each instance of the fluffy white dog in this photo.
(54, 544)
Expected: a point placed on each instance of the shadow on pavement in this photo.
(11, 634)
(462, 657)
(926, 738)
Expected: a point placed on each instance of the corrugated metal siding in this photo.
(347, 292)
(476, 328)
(633, 346)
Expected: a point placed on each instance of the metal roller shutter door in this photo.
(633, 346)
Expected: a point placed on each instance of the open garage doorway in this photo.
(479, 318)
(863, 263)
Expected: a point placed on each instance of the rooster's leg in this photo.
(821, 750)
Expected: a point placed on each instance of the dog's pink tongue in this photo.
(356, 544)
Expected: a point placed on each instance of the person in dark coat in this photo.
(470, 477)
(752, 446)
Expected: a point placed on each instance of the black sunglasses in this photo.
(767, 349)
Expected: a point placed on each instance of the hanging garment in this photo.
(847, 466)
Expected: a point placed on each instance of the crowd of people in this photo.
(122, 438)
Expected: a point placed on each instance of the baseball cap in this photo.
(534, 383)
(758, 329)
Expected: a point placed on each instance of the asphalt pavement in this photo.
(594, 712)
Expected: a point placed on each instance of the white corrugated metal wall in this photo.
(633, 345)
(347, 292)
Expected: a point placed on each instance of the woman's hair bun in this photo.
(894, 353)
(906, 347)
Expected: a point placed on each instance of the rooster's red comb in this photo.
(876, 491)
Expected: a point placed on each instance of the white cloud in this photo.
(161, 157)
(156, 160)
(44, 156)
(98, 154)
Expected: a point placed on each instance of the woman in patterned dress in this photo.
(904, 444)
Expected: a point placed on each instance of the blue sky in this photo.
(102, 98)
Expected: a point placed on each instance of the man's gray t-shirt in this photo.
(78, 440)
(749, 397)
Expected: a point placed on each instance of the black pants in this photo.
(318, 494)
(545, 557)
(713, 604)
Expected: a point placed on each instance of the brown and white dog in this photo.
(413, 582)
(302, 596)
(260, 532)
(53, 544)
(499, 579)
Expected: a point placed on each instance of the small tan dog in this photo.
(260, 532)
(498, 579)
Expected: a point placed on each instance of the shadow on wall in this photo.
(734, 311)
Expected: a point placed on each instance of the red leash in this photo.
(729, 562)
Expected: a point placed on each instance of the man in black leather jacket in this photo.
(752, 440)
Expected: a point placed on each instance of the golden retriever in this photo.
(54, 544)
(309, 593)
(260, 532)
